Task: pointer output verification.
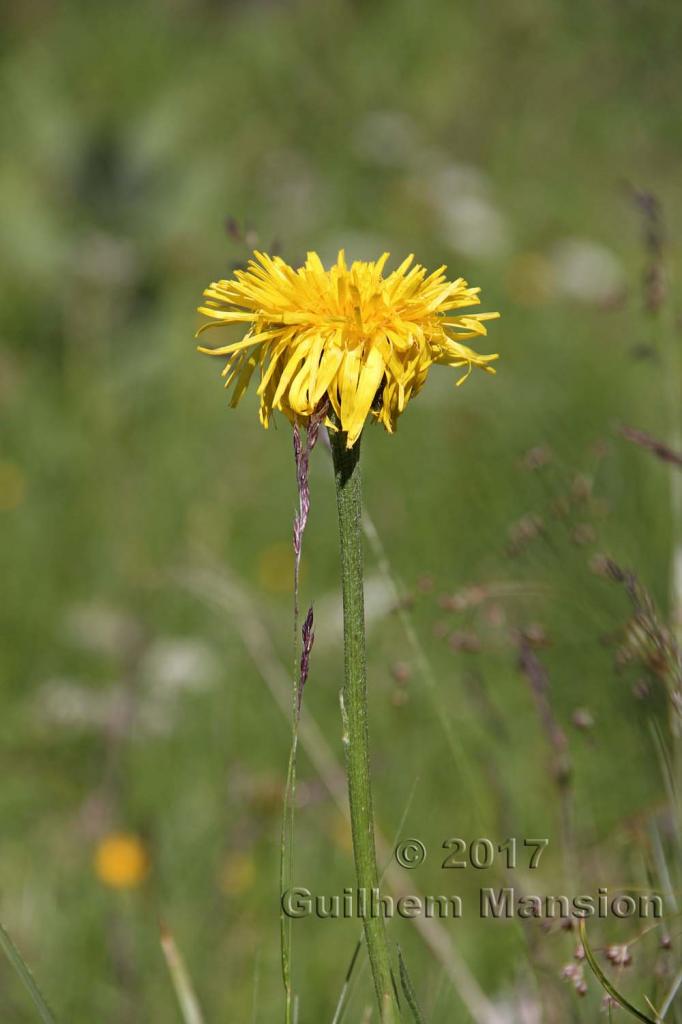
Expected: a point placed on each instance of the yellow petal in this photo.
(371, 373)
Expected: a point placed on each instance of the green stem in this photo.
(354, 708)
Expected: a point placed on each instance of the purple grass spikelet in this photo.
(307, 641)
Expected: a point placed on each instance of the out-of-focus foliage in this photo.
(501, 139)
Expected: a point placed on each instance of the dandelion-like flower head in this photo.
(362, 341)
(121, 861)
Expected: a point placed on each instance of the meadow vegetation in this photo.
(524, 679)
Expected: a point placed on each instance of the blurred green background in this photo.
(146, 526)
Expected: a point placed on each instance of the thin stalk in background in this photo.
(22, 969)
(444, 718)
(660, 310)
(300, 675)
(354, 709)
(660, 306)
(182, 983)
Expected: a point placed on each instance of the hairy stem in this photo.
(354, 709)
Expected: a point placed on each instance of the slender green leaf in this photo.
(341, 1004)
(667, 1002)
(22, 969)
(408, 990)
(606, 984)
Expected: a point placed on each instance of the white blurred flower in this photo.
(474, 227)
(586, 271)
(101, 629)
(469, 221)
(175, 665)
(76, 705)
(386, 137)
(518, 1007)
(449, 179)
(170, 668)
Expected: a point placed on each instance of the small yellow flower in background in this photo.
(340, 833)
(121, 861)
(530, 279)
(238, 874)
(12, 486)
(276, 568)
(365, 341)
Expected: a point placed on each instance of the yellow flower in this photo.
(276, 567)
(340, 833)
(364, 341)
(238, 874)
(121, 861)
(12, 486)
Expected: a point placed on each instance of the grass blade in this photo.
(341, 1004)
(286, 872)
(668, 1001)
(606, 984)
(408, 990)
(19, 965)
(187, 1000)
